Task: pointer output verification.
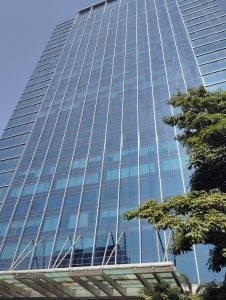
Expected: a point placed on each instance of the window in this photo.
(2, 193)
(15, 192)
(43, 187)
(8, 251)
(50, 224)
(83, 220)
(28, 189)
(5, 179)
(3, 228)
(61, 184)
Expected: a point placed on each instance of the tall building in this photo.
(86, 141)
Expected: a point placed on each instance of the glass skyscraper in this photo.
(86, 141)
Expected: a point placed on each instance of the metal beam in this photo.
(13, 288)
(49, 284)
(177, 280)
(22, 259)
(153, 270)
(142, 280)
(67, 291)
(114, 249)
(91, 289)
(62, 249)
(48, 287)
(18, 258)
(106, 277)
(4, 293)
(85, 273)
(114, 284)
(7, 293)
(108, 291)
(157, 277)
(72, 247)
(106, 247)
(34, 286)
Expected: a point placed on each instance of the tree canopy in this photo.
(199, 217)
(163, 291)
(196, 218)
(202, 121)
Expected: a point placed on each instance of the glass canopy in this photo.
(102, 282)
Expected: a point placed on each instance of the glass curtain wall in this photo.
(97, 145)
(205, 22)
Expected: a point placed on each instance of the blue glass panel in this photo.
(211, 47)
(13, 140)
(214, 66)
(212, 56)
(3, 191)
(5, 178)
(11, 152)
(215, 87)
(210, 38)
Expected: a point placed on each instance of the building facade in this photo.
(86, 141)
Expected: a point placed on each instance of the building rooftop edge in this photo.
(96, 4)
(84, 9)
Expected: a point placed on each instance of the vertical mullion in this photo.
(168, 89)
(105, 141)
(138, 135)
(121, 137)
(154, 116)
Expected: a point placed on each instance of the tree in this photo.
(163, 291)
(214, 291)
(202, 119)
(199, 217)
(196, 218)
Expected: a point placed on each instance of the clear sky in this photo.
(25, 27)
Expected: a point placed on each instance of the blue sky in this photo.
(25, 27)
